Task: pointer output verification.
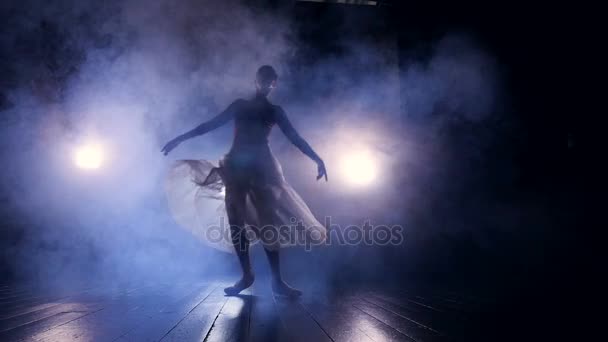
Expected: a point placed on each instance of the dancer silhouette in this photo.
(253, 176)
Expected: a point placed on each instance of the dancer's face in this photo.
(265, 87)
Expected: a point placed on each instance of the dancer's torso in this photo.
(252, 124)
(250, 155)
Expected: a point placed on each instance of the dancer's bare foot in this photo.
(280, 287)
(240, 285)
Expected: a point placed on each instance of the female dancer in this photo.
(253, 176)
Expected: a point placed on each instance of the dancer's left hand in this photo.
(321, 170)
(171, 145)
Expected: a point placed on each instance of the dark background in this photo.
(514, 185)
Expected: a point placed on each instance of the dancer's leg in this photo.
(265, 202)
(235, 208)
(279, 286)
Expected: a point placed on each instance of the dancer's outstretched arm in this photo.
(295, 138)
(203, 128)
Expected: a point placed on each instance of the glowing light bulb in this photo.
(88, 156)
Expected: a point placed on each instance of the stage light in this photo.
(88, 156)
(359, 168)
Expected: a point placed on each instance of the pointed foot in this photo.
(242, 284)
(281, 288)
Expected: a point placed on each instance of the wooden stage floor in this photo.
(201, 312)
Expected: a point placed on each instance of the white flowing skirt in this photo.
(196, 195)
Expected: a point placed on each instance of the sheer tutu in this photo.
(195, 192)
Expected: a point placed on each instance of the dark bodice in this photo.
(253, 122)
(250, 156)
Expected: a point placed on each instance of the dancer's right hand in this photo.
(321, 170)
(171, 145)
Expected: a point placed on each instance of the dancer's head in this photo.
(265, 80)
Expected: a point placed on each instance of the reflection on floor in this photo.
(201, 312)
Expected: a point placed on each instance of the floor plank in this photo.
(76, 296)
(299, 324)
(265, 324)
(442, 322)
(398, 322)
(455, 308)
(25, 332)
(233, 319)
(343, 322)
(155, 324)
(196, 325)
(33, 322)
(198, 311)
(110, 322)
